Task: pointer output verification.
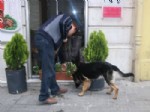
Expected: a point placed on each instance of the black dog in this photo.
(87, 71)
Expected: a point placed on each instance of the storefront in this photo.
(40, 11)
(116, 18)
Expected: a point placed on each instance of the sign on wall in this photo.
(111, 12)
(113, 1)
(112, 9)
(1, 13)
(8, 21)
(10, 18)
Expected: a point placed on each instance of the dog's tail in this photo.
(115, 68)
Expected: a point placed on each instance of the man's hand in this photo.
(65, 40)
(63, 67)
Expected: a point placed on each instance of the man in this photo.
(49, 38)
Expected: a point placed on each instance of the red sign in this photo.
(1, 5)
(1, 13)
(112, 12)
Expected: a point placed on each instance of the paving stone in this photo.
(133, 97)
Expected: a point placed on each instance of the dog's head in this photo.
(77, 79)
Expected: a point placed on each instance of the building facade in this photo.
(125, 24)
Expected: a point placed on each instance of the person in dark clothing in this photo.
(48, 39)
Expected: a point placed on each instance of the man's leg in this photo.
(55, 90)
(48, 66)
(41, 45)
(47, 76)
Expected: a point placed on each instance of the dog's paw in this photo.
(81, 94)
(109, 93)
(115, 98)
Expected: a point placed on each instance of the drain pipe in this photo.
(86, 22)
(28, 37)
(138, 37)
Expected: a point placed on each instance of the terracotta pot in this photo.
(59, 76)
(62, 76)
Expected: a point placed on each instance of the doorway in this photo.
(41, 10)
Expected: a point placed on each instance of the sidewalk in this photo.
(133, 97)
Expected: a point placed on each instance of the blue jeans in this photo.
(46, 51)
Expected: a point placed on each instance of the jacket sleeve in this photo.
(65, 26)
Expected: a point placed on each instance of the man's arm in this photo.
(65, 26)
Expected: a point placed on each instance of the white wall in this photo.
(118, 31)
(15, 8)
(2, 66)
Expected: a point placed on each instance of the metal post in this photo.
(86, 22)
(28, 37)
(56, 7)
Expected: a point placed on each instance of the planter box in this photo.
(62, 76)
(59, 76)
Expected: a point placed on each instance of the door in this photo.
(74, 8)
(42, 10)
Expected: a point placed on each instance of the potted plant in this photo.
(65, 75)
(96, 50)
(15, 55)
(60, 74)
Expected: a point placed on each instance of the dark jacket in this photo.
(56, 29)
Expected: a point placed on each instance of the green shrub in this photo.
(58, 67)
(97, 48)
(36, 69)
(70, 68)
(16, 52)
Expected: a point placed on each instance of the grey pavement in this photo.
(133, 97)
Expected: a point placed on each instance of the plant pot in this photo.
(16, 81)
(97, 84)
(59, 76)
(62, 76)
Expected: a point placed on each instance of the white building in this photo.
(115, 19)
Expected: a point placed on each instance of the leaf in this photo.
(16, 52)
(97, 48)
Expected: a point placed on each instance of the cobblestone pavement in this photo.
(133, 97)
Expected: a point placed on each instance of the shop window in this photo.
(41, 10)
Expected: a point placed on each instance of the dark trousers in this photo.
(46, 52)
